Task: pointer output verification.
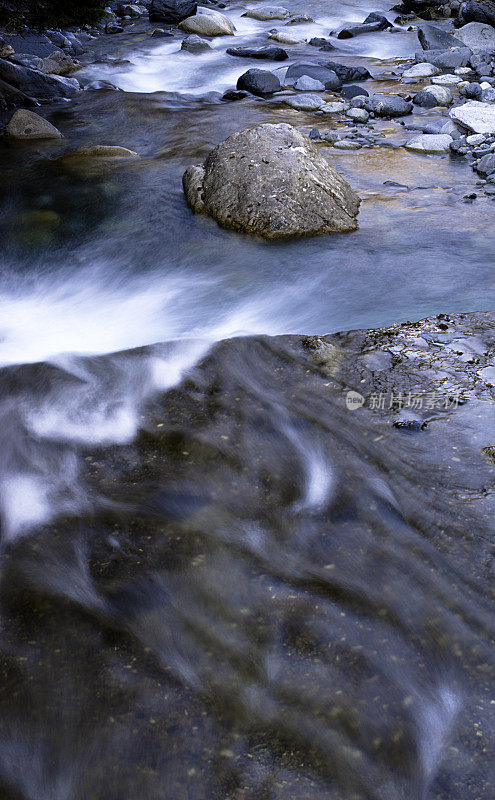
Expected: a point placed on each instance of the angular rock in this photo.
(446, 59)
(476, 117)
(486, 165)
(194, 44)
(327, 77)
(264, 13)
(477, 36)
(430, 143)
(172, 12)
(58, 63)
(273, 182)
(33, 83)
(433, 38)
(26, 125)
(208, 23)
(270, 53)
(259, 82)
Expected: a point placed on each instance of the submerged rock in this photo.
(272, 181)
(93, 161)
(26, 125)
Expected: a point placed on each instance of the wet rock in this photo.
(486, 165)
(353, 91)
(475, 116)
(432, 96)
(113, 27)
(208, 23)
(273, 182)
(446, 59)
(58, 63)
(26, 125)
(259, 82)
(323, 44)
(195, 44)
(233, 94)
(420, 71)
(270, 53)
(389, 105)
(284, 37)
(373, 22)
(478, 11)
(265, 13)
(305, 102)
(172, 12)
(433, 38)
(307, 84)
(328, 77)
(300, 19)
(33, 83)
(477, 36)
(430, 143)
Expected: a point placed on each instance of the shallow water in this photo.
(235, 588)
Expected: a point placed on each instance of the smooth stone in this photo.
(446, 80)
(286, 38)
(425, 70)
(305, 102)
(477, 36)
(430, 143)
(432, 96)
(58, 63)
(433, 38)
(326, 76)
(208, 23)
(475, 116)
(332, 108)
(92, 161)
(259, 82)
(265, 13)
(307, 84)
(300, 19)
(272, 181)
(172, 11)
(390, 105)
(353, 91)
(323, 44)
(347, 144)
(270, 53)
(26, 125)
(358, 115)
(195, 44)
(113, 27)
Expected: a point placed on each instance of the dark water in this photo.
(216, 581)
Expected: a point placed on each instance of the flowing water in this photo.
(216, 582)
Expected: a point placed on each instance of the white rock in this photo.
(207, 22)
(420, 71)
(332, 108)
(287, 38)
(441, 94)
(27, 125)
(305, 102)
(358, 114)
(430, 143)
(477, 36)
(475, 139)
(475, 116)
(463, 70)
(264, 13)
(446, 80)
(347, 144)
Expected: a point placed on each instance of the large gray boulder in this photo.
(272, 181)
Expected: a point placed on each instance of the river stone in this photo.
(27, 125)
(58, 63)
(265, 13)
(272, 181)
(358, 115)
(283, 37)
(420, 71)
(478, 11)
(432, 96)
(305, 102)
(486, 165)
(208, 23)
(389, 105)
(475, 116)
(430, 143)
(270, 53)
(195, 44)
(172, 11)
(93, 161)
(446, 59)
(327, 77)
(346, 144)
(349, 92)
(433, 38)
(446, 80)
(307, 84)
(259, 82)
(332, 108)
(36, 84)
(477, 36)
